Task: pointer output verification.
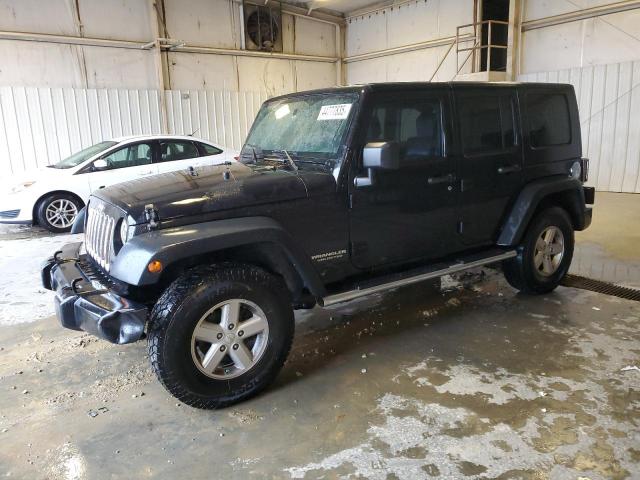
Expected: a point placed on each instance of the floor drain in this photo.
(584, 283)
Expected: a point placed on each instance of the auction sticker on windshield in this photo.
(334, 112)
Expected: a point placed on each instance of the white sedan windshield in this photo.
(85, 154)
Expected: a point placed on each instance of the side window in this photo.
(171, 150)
(209, 149)
(549, 122)
(416, 125)
(487, 123)
(131, 156)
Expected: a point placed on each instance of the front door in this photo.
(409, 213)
(490, 162)
(130, 162)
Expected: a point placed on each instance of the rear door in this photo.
(178, 155)
(490, 160)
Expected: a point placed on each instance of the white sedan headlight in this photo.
(21, 186)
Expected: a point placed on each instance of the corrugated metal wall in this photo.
(609, 101)
(39, 126)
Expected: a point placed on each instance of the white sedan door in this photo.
(127, 163)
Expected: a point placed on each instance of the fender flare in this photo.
(78, 223)
(179, 243)
(516, 222)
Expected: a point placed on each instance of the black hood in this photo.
(207, 189)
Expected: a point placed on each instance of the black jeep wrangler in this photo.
(338, 194)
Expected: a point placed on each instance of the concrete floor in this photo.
(466, 381)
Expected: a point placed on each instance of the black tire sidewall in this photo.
(551, 217)
(174, 343)
(45, 202)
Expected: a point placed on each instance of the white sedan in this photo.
(53, 196)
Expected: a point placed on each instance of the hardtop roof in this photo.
(399, 86)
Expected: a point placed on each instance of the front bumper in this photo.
(16, 208)
(84, 303)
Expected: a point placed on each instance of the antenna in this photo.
(194, 132)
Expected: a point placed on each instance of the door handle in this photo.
(509, 169)
(145, 173)
(448, 178)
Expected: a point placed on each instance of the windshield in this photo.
(307, 127)
(79, 157)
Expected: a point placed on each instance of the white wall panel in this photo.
(221, 116)
(39, 126)
(193, 71)
(275, 76)
(373, 70)
(609, 102)
(203, 22)
(410, 24)
(39, 64)
(610, 38)
(116, 19)
(314, 38)
(414, 23)
(368, 34)
(53, 16)
(312, 75)
(118, 68)
(535, 9)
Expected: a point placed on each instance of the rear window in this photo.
(549, 122)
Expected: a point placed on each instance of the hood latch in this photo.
(151, 215)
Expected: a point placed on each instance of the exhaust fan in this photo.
(263, 27)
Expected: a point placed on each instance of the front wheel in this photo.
(219, 335)
(58, 211)
(545, 254)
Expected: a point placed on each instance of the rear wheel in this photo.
(545, 254)
(58, 211)
(218, 336)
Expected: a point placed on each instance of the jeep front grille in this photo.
(99, 236)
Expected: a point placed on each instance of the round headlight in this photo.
(124, 231)
(576, 170)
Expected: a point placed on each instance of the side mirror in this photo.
(378, 156)
(100, 164)
(381, 155)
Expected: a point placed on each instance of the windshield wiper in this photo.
(288, 159)
(253, 153)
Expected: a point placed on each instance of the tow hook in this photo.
(151, 215)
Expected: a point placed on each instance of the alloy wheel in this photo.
(549, 251)
(229, 339)
(61, 213)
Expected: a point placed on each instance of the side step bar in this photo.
(460, 266)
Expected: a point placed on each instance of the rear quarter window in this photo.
(549, 122)
(208, 149)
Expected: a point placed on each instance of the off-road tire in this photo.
(177, 312)
(41, 211)
(520, 271)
